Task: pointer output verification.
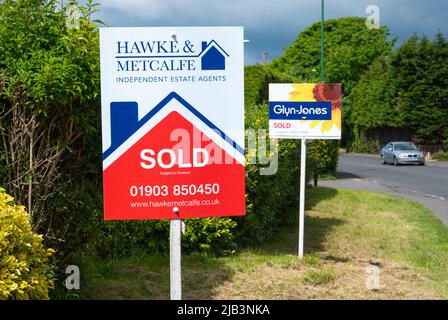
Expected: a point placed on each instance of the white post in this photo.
(175, 255)
(302, 195)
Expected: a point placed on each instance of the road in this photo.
(425, 184)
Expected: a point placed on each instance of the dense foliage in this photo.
(443, 156)
(24, 262)
(270, 198)
(420, 73)
(122, 238)
(256, 83)
(349, 49)
(407, 88)
(49, 117)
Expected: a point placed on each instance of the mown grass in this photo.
(327, 176)
(346, 231)
(318, 277)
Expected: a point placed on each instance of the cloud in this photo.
(251, 13)
(272, 25)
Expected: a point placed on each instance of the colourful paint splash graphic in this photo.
(320, 92)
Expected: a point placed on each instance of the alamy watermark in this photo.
(373, 278)
(260, 148)
(73, 16)
(373, 17)
(73, 280)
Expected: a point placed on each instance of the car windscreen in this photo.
(405, 146)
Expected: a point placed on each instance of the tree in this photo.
(440, 40)
(407, 88)
(420, 78)
(349, 49)
(49, 84)
(370, 100)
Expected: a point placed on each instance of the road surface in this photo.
(425, 184)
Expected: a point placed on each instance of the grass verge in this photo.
(347, 235)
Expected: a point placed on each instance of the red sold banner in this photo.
(173, 122)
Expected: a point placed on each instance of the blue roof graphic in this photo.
(124, 121)
(212, 44)
(213, 57)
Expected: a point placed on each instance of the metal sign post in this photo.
(304, 111)
(175, 258)
(302, 195)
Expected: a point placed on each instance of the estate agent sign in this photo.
(305, 110)
(172, 122)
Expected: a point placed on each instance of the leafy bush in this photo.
(442, 156)
(445, 145)
(363, 145)
(209, 235)
(324, 154)
(25, 272)
(121, 238)
(256, 83)
(270, 198)
(49, 109)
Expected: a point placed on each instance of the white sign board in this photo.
(305, 111)
(173, 122)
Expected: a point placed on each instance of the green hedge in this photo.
(256, 83)
(442, 156)
(123, 238)
(271, 199)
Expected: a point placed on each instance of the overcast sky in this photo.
(271, 25)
